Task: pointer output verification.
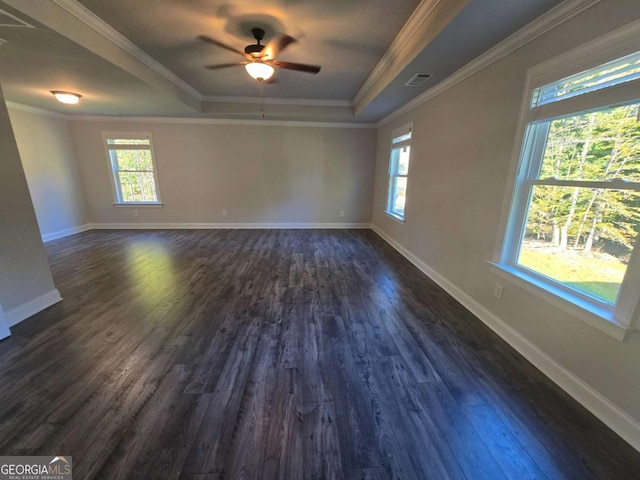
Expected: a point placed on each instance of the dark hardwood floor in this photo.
(285, 354)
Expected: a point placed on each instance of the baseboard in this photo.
(627, 427)
(47, 237)
(26, 310)
(4, 326)
(221, 226)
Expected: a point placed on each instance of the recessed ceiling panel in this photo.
(479, 27)
(347, 38)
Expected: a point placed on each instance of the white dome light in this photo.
(67, 97)
(259, 70)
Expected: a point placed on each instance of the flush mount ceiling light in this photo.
(66, 97)
(259, 70)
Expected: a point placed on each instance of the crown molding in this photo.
(277, 101)
(38, 111)
(408, 31)
(429, 19)
(21, 23)
(549, 20)
(184, 120)
(218, 121)
(100, 26)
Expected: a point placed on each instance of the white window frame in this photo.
(113, 172)
(615, 320)
(393, 170)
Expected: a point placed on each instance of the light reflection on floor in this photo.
(151, 272)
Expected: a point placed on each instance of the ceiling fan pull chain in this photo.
(262, 95)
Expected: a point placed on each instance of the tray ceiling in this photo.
(143, 59)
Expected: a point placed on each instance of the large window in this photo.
(575, 212)
(399, 171)
(134, 174)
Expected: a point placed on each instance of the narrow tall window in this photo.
(399, 171)
(134, 174)
(575, 214)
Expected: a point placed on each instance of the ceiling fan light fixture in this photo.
(259, 70)
(66, 97)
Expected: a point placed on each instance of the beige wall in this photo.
(48, 159)
(461, 155)
(258, 174)
(24, 268)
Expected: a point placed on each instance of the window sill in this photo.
(395, 217)
(140, 204)
(598, 317)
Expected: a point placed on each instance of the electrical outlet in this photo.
(224, 213)
(497, 292)
(135, 213)
(342, 213)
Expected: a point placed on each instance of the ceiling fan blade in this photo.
(277, 45)
(299, 67)
(224, 65)
(215, 42)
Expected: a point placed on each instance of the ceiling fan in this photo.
(260, 60)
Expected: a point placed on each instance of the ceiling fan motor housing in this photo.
(256, 48)
(256, 57)
(253, 49)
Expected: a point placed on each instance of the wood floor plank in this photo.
(322, 457)
(284, 455)
(358, 440)
(513, 459)
(210, 449)
(279, 354)
(257, 409)
(367, 474)
(472, 454)
(413, 431)
(137, 451)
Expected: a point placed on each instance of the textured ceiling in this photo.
(348, 38)
(480, 26)
(36, 60)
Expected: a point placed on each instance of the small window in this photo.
(399, 171)
(134, 174)
(575, 211)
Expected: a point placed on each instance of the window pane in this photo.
(612, 73)
(403, 160)
(133, 159)
(594, 146)
(399, 194)
(402, 138)
(128, 141)
(581, 237)
(137, 187)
